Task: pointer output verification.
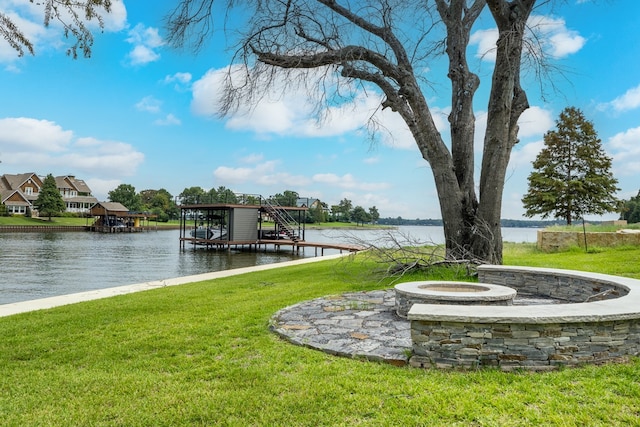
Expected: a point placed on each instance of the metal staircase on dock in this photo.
(285, 222)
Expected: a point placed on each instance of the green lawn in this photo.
(55, 221)
(201, 354)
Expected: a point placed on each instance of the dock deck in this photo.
(264, 243)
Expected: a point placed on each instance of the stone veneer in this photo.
(599, 323)
(441, 292)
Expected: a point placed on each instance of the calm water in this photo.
(39, 265)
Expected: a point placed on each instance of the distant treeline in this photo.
(520, 223)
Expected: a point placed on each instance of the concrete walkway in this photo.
(45, 303)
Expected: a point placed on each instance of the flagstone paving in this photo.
(358, 325)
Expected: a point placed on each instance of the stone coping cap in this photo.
(617, 281)
(623, 308)
(486, 291)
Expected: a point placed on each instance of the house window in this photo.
(28, 191)
(16, 209)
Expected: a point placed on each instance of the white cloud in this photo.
(371, 160)
(348, 181)
(29, 18)
(149, 104)
(523, 155)
(535, 121)
(180, 78)
(252, 158)
(626, 152)
(555, 38)
(629, 101)
(547, 34)
(145, 41)
(46, 146)
(565, 43)
(100, 187)
(24, 133)
(480, 130)
(486, 42)
(298, 113)
(168, 120)
(262, 174)
(115, 20)
(152, 105)
(206, 93)
(33, 31)
(141, 55)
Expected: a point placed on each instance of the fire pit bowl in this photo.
(455, 293)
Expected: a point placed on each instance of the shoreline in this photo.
(61, 300)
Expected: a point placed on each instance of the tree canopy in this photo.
(127, 196)
(572, 174)
(49, 202)
(192, 195)
(336, 48)
(286, 198)
(631, 209)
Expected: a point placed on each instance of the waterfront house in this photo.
(18, 193)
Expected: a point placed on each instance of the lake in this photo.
(40, 265)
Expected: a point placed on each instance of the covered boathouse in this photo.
(113, 217)
(247, 226)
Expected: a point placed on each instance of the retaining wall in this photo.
(41, 228)
(536, 337)
(556, 240)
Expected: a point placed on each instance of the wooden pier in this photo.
(256, 227)
(263, 244)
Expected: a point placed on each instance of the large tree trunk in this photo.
(360, 41)
(507, 102)
(472, 228)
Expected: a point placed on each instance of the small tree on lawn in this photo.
(360, 216)
(572, 174)
(49, 202)
(374, 214)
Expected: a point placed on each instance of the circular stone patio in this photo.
(361, 325)
(358, 325)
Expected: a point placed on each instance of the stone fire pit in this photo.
(452, 293)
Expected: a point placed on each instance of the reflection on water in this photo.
(38, 265)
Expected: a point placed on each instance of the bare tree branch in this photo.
(73, 16)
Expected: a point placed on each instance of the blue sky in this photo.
(139, 112)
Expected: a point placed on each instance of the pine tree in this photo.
(49, 202)
(572, 174)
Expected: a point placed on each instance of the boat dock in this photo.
(258, 226)
(263, 244)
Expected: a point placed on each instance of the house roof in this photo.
(14, 181)
(80, 185)
(6, 195)
(61, 182)
(81, 199)
(111, 206)
(70, 181)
